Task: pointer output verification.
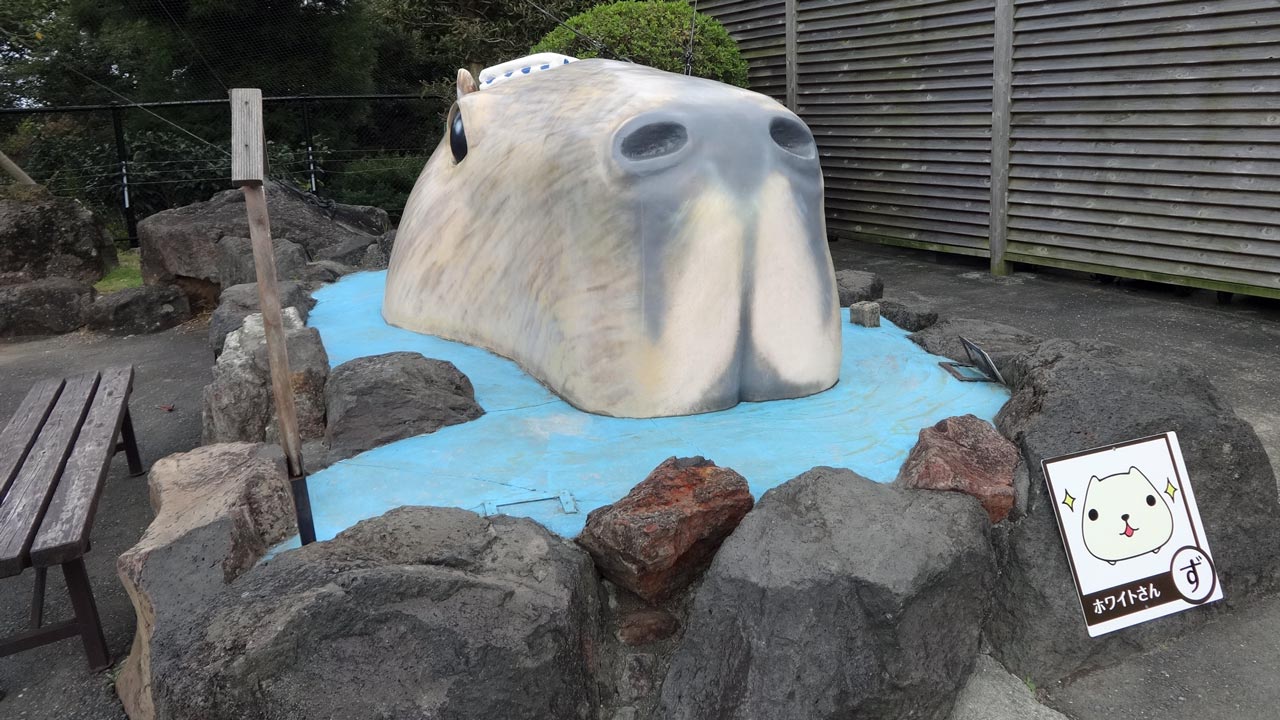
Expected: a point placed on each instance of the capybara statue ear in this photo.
(466, 83)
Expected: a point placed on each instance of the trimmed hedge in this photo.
(654, 34)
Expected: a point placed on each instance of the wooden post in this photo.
(14, 171)
(1001, 90)
(249, 173)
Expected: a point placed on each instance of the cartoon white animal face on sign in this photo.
(1124, 517)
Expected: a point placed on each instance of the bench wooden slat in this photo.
(64, 531)
(20, 434)
(31, 491)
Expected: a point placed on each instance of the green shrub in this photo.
(651, 33)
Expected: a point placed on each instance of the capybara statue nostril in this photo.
(653, 140)
(793, 136)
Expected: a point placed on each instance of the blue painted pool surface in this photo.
(530, 447)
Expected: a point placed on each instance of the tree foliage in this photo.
(61, 52)
(441, 36)
(167, 168)
(90, 52)
(654, 34)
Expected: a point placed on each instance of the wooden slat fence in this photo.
(759, 28)
(1138, 138)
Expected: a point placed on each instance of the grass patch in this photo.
(125, 275)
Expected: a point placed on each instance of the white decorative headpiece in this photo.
(527, 65)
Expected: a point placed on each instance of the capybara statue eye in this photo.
(457, 135)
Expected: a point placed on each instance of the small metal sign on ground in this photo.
(1133, 533)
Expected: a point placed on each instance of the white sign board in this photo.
(1133, 533)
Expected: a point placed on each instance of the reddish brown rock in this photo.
(647, 625)
(964, 454)
(659, 537)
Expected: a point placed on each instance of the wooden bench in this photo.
(54, 457)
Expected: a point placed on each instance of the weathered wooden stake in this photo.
(14, 171)
(249, 173)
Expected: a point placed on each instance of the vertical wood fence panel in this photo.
(898, 94)
(1146, 140)
(759, 27)
(1137, 138)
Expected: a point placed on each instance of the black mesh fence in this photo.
(125, 161)
(123, 103)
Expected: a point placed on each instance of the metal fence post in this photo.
(122, 155)
(311, 158)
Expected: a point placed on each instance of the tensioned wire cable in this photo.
(13, 37)
(193, 45)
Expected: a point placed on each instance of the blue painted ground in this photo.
(530, 446)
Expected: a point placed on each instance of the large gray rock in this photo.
(373, 259)
(993, 694)
(858, 286)
(239, 301)
(382, 398)
(236, 265)
(181, 246)
(420, 613)
(16, 277)
(145, 309)
(1002, 342)
(387, 242)
(324, 271)
(238, 404)
(909, 315)
(219, 508)
(1069, 397)
(42, 235)
(835, 598)
(43, 307)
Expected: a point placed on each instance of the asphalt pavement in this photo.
(171, 370)
(1226, 668)
(1237, 344)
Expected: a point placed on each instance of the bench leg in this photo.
(37, 598)
(90, 627)
(130, 442)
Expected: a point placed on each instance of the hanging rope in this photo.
(693, 30)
